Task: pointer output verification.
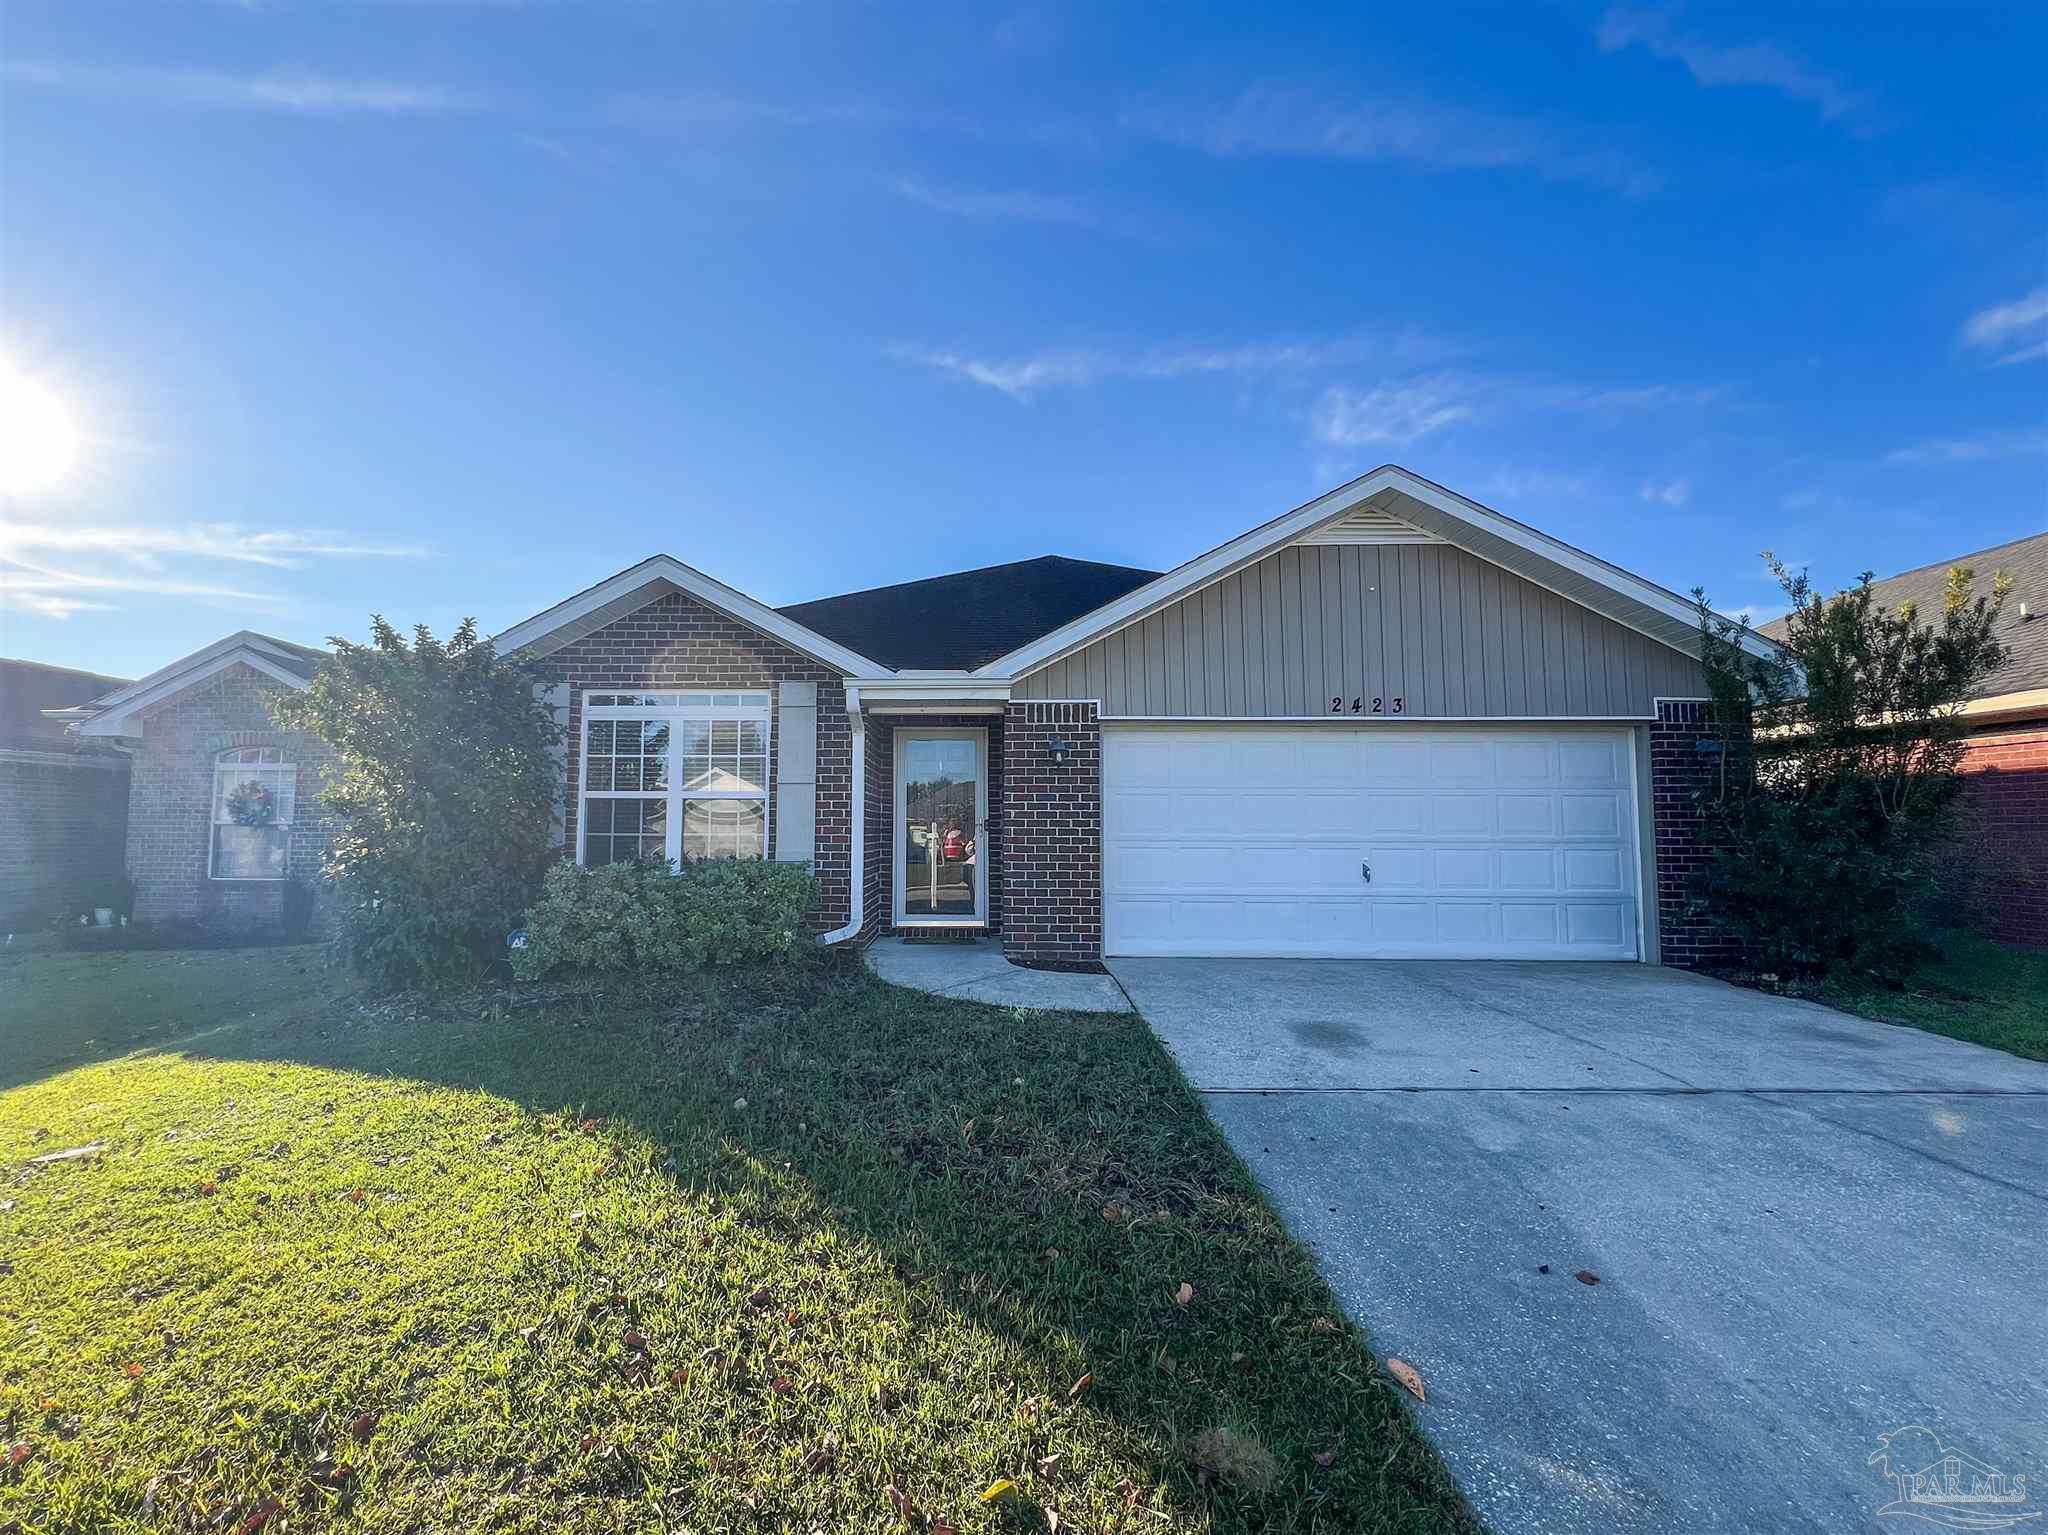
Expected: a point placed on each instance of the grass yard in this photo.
(739, 1254)
(1988, 993)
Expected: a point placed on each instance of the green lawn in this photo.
(1988, 993)
(737, 1255)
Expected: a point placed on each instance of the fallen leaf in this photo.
(1184, 1294)
(1002, 1487)
(134, 1370)
(355, 1196)
(1129, 1489)
(634, 1341)
(362, 1425)
(1586, 1276)
(1409, 1377)
(820, 1460)
(1326, 1458)
(208, 1186)
(945, 1527)
(905, 1509)
(679, 1376)
(1542, 1268)
(1052, 1520)
(761, 1297)
(17, 1453)
(1080, 1385)
(782, 1385)
(1049, 1468)
(259, 1516)
(588, 1443)
(1114, 1212)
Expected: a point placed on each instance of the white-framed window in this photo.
(255, 796)
(681, 776)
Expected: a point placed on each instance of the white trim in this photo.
(899, 908)
(107, 716)
(1246, 548)
(670, 573)
(675, 796)
(1398, 721)
(895, 693)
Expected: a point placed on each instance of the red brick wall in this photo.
(63, 825)
(1678, 770)
(1052, 835)
(2005, 802)
(170, 801)
(677, 642)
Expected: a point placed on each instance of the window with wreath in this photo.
(254, 795)
(680, 776)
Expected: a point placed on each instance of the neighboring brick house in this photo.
(2005, 754)
(1389, 723)
(63, 801)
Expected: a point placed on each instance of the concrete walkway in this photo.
(977, 969)
(1809, 1230)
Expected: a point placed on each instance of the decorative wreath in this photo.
(250, 803)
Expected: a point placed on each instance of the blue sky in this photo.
(445, 309)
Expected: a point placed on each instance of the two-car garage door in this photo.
(1516, 842)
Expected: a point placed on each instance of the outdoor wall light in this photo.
(1060, 747)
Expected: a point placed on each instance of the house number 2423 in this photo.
(1379, 705)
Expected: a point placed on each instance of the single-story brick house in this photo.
(1391, 722)
(2005, 754)
(63, 800)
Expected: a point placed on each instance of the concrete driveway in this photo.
(1809, 1230)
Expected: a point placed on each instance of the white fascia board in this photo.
(706, 589)
(241, 639)
(108, 721)
(885, 692)
(1247, 548)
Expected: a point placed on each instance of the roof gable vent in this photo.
(1369, 525)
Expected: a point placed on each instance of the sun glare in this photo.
(38, 442)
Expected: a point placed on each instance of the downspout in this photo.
(857, 871)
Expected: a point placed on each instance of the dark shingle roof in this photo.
(966, 620)
(29, 687)
(2025, 640)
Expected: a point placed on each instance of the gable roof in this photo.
(1417, 504)
(2025, 639)
(27, 688)
(957, 622)
(280, 660)
(649, 581)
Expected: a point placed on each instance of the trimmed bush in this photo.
(640, 916)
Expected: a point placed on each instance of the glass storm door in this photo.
(941, 816)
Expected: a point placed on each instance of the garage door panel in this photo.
(1493, 842)
(1462, 815)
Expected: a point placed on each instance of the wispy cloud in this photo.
(281, 91)
(1393, 414)
(2017, 332)
(1023, 377)
(1512, 484)
(1030, 207)
(1973, 449)
(134, 561)
(1307, 123)
(212, 540)
(1671, 493)
(1763, 63)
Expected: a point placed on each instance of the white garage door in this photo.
(1509, 843)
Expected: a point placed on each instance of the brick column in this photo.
(1679, 770)
(2004, 827)
(1052, 835)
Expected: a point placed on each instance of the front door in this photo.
(941, 821)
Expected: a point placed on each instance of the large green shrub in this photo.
(639, 916)
(446, 788)
(1832, 834)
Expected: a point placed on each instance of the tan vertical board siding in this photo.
(1451, 635)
